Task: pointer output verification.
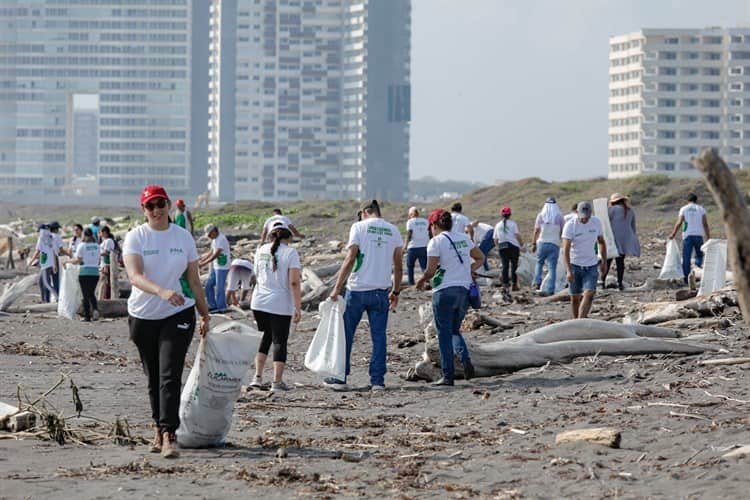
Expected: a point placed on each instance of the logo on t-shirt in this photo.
(150, 252)
(173, 251)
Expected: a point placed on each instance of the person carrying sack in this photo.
(452, 259)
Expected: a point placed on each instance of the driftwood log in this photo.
(15, 290)
(706, 306)
(736, 217)
(557, 343)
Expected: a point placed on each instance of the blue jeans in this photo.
(216, 294)
(689, 244)
(449, 306)
(584, 278)
(548, 252)
(412, 256)
(375, 302)
(487, 244)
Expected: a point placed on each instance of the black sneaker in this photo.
(468, 369)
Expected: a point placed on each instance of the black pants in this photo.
(88, 290)
(163, 344)
(275, 328)
(620, 263)
(509, 258)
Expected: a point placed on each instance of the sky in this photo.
(508, 89)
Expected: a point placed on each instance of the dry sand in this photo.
(489, 437)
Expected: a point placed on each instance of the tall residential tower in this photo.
(673, 92)
(310, 99)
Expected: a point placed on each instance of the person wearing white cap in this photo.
(218, 256)
(241, 277)
(271, 223)
(579, 237)
(417, 237)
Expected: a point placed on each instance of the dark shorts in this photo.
(584, 278)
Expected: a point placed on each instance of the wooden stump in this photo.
(603, 435)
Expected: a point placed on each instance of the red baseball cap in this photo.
(180, 202)
(435, 215)
(152, 191)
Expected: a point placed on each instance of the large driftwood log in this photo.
(736, 217)
(705, 306)
(558, 343)
(15, 290)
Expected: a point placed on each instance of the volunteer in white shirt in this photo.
(271, 222)
(508, 240)
(58, 247)
(44, 253)
(107, 246)
(87, 255)
(452, 259)
(219, 257)
(579, 237)
(161, 312)
(76, 239)
(374, 248)
(484, 239)
(417, 236)
(461, 223)
(692, 219)
(546, 243)
(241, 277)
(276, 302)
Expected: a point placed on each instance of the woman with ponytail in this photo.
(509, 242)
(276, 302)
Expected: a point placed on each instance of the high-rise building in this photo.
(137, 60)
(673, 92)
(85, 139)
(310, 99)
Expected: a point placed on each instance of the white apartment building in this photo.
(135, 60)
(673, 92)
(292, 82)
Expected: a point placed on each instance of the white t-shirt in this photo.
(507, 233)
(272, 293)
(222, 260)
(570, 216)
(460, 221)
(243, 263)
(89, 255)
(549, 233)
(268, 225)
(419, 234)
(166, 255)
(582, 238)
(456, 273)
(58, 242)
(45, 245)
(377, 239)
(693, 225)
(106, 246)
(74, 243)
(480, 231)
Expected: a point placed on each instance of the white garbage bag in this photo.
(326, 355)
(221, 367)
(561, 279)
(526, 268)
(714, 266)
(672, 267)
(601, 210)
(70, 292)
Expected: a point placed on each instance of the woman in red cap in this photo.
(452, 259)
(509, 242)
(162, 311)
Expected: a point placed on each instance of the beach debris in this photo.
(605, 436)
(16, 289)
(740, 452)
(725, 361)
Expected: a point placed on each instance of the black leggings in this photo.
(275, 328)
(509, 257)
(163, 344)
(620, 262)
(88, 290)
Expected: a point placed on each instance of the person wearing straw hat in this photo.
(622, 220)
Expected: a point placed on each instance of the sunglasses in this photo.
(159, 203)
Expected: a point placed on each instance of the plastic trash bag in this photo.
(601, 210)
(326, 355)
(526, 268)
(714, 266)
(221, 367)
(672, 267)
(70, 292)
(561, 279)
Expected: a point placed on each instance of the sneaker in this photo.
(257, 383)
(169, 445)
(468, 369)
(443, 382)
(155, 446)
(335, 384)
(515, 287)
(279, 386)
(95, 315)
(377, 388)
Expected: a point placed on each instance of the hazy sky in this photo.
(506, 89)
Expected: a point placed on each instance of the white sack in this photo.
(714, 266)
(326, 355)
(601, 210)
(561, 279)
(526, 268)
(672, 267)
(70, 292)
(221, 367)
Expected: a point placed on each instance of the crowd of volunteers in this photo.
(163, 265)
